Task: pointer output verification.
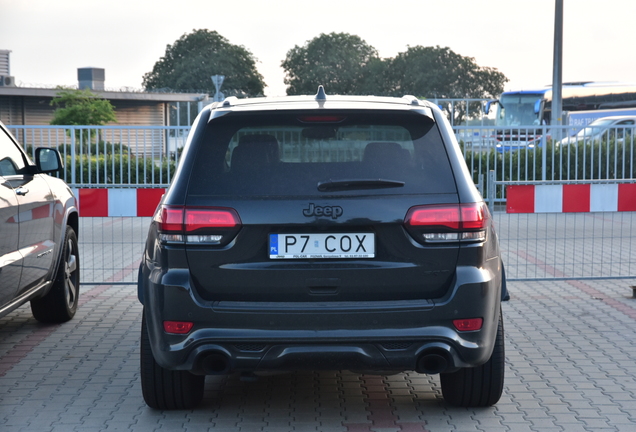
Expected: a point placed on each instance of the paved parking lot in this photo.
(570, 350)
(571, 366)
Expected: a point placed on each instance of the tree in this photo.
(81, 107)
(189, 63)
(435, 72)
(338, 61)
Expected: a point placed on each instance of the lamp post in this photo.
(557, 73)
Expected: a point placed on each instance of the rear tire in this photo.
(166, 389)
(479, 386)
(60, 303)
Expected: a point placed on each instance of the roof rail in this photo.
(411, 99)
(229, 101)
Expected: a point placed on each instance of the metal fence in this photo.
(534, 246)
(568, 245)
(111, 156)
(135, 155)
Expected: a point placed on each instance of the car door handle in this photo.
(22, 191)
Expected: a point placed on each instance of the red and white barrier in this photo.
(571, 198)
(117, 202)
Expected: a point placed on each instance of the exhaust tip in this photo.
(432, 363)
(215, 364)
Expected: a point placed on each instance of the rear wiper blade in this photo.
(350, 184)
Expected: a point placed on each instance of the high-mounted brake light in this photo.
(321, 119)
(448, 222)
(203, 225)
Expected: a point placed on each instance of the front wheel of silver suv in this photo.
(60, 303)
(480, 386)
(166, 389)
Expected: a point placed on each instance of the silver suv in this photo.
(39, 254)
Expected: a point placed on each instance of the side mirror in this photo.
(537, 106)
(48, 160)
(488, 105)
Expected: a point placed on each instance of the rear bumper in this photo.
(367, 336)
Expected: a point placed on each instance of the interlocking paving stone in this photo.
(571, 366)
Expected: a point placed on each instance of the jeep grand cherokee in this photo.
(324, 233)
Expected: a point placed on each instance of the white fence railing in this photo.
(140, 155)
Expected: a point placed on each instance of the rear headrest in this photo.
(382, 153)
(256, 150)
(263, 143)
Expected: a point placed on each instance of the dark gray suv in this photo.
(323, 233)
(39, 254)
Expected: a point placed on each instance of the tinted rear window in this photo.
(291, 154)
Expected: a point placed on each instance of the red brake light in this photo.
(180, 219)
(471, 216)
(470, 324)
(474, 216)
(177, 327)
(169, 219)
(444, 223)
(196, 219)
(321, 119)
(438, 215)
(197, 225)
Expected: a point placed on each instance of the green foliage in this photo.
(339, 61)
(118, 169)
(94, 148)
(346, 64)
(80, 108)
(436, 72)
(190, 62)
(440, 72)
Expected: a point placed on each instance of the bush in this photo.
(95, 148)
(108, 169)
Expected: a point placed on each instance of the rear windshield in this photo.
(330, 154)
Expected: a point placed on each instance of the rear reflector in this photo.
(177, 327)
(470, 324)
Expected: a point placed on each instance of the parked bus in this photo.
(522, 111)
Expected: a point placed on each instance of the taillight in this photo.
(443, 223)
(197, 225)
(201, 219)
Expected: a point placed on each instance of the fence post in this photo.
(480, 184)
(73, 157)
(544, 154)
(491, 191)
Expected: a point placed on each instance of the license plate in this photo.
(312, 246)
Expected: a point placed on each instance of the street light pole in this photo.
(557, 73)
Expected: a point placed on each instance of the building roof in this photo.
(110, 95)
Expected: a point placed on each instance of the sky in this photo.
(49, 40)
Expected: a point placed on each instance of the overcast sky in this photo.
(50, 39)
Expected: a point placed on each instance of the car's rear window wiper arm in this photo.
(353, 184)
